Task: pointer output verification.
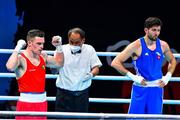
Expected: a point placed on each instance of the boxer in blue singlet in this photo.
(147, 53)
(148, 65)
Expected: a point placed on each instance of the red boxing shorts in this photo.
(27, 106)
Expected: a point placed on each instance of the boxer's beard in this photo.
(152, 38)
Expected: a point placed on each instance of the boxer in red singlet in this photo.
(30, 69)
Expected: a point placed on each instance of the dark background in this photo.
(105, 23)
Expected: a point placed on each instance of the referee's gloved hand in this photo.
(88, 76)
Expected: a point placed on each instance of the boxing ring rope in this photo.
(98, 77)
(90, 115)
(9, 51)
(95, 100)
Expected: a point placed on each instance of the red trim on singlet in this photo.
(33, 79)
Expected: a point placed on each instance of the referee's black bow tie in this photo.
(79, 51)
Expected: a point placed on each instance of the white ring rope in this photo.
(95, 100)
(8, 51)
(88, 115)
(98, 77)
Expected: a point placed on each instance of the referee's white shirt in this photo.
(76, 66)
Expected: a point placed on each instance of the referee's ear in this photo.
(83, 40)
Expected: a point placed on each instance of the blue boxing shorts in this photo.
(146, 100)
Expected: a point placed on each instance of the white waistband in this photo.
(154, 83)
(31, 97)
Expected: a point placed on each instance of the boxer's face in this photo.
(37, 44)
(153, 32)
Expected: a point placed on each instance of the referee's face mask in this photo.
(75, 42)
